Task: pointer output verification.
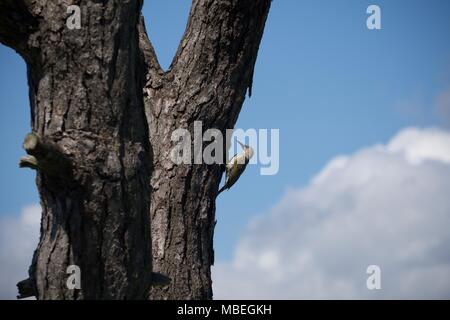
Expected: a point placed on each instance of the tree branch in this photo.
(44, 155)
(222, 40)
(28, 162)
(26, 288)
(16, 24)
(206, 82)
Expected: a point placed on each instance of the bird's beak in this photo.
(242, 145)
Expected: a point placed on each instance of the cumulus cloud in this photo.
(19, 236)
(386, 205)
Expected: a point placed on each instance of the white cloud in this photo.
(386, 205)
(421, 145)
(19, 237)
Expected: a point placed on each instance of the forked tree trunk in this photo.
(103, 112)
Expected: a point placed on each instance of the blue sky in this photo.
(327, 82)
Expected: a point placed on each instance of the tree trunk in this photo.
(102, 116)
(86, 101)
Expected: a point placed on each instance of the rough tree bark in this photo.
(102, 113)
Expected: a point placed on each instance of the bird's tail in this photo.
(221, 189)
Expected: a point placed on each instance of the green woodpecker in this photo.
(236, 166)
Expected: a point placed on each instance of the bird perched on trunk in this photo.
(236, 166)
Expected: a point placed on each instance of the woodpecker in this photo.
(236, 166)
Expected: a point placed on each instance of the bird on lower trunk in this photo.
(236, 166)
